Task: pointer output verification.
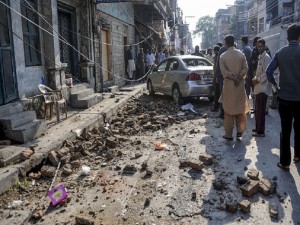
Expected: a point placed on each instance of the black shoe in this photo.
(228, 138)
(266, 113)
(239, 134)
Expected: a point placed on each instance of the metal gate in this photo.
(8, 82)
(67, 31)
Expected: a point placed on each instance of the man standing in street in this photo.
(140, 64)
(215, 84)
(234, 68)
(287, 60)
(197, 51)
(262, 89)
(131, 64)
(219, 79)
(247, 52)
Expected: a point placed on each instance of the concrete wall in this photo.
(28, 77)
(118, 30)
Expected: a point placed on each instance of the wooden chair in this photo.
(53, 98)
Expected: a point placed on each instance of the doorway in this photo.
(8, 81)
(106, 55)
(68, 34)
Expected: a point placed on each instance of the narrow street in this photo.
(195, 177)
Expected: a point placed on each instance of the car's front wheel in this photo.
(150, 88)
(176, 95)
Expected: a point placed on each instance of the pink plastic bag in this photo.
(57, 194)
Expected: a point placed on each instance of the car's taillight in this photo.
(193, 76)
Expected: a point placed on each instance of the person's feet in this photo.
(239, 134)
(214, 110)
(285, 168)
(228, 138)
(254, 134)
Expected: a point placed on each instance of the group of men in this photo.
(137, 69)
(238, 73)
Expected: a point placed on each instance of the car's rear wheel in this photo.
(150, 88)
(176, 95)
(211, 98)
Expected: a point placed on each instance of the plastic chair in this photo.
(53, 98)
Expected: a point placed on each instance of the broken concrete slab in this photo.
(10, 155)
(8, 176)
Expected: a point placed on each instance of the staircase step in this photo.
(113, 89)
(15, 120)
(82, 94)
(79, 87)
(89, 101)
(11, 108)
(28, 131)
(10, 155)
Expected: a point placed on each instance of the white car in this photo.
(181, 77)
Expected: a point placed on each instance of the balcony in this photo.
(156, 9)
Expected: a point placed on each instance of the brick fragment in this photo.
(253, 174)
(195, 165)
(26, 153)
(53, 158)
(206, 159)
(245, 206)
(267, 187)
(250, 188)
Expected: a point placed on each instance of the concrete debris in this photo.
(253, 174)
(250, 188)
(129, 169)
(245, 206)
(273, 210)
(196, 165)
(81, 220)
(206, 159)
(241, 180)
(26, 153)
(48, 171)
(53, 158)
(267, 187)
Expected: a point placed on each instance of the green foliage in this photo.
(206, 27)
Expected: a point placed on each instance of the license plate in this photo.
(207, 76)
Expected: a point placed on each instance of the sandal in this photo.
(286, 168)
(228, 138)
(296, 159)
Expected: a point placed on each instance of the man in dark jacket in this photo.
(197, 51)
(287, 60)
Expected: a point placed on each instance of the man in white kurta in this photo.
(234, 68)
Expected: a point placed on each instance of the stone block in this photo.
(250, 188)
(231, 206)
(253, 174)
(267, 187)
(195, 165)
(48, 171)
(245, 206)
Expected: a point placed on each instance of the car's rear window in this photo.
(196, 62)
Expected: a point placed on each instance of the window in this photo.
(162, 66)
(196, 62)
(31, 38)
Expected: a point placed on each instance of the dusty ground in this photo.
(132, 183)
